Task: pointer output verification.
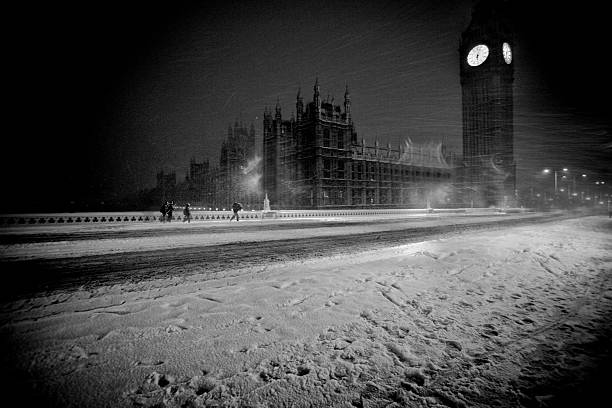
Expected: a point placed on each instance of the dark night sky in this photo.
(105, 94)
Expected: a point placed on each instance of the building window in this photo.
(325, 137)
(356, 199)
(396, 196)
(386, 170)
(384, 196)
(325, 196)
(340, 170)
(370, 196)
(326, 168)
(340, 139)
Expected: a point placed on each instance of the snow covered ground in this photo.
(520, 316)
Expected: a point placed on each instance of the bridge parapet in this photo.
(153, 217)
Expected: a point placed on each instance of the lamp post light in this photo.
(565, 183)
(547, 171)
(598, 190)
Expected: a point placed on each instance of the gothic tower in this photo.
(487, 74)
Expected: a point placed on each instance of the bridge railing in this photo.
(154, 217)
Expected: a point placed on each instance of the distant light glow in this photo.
(546, 171)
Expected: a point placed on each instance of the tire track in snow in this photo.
(29, 277)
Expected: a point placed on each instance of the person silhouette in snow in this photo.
(169, 211)
(187, 213)
(163, 210)
(235, 208)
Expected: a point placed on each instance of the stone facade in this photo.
(315, 160)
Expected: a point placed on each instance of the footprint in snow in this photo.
(465, 305)
(251, 319)
(282, 285)
(331, 303)
(175, 328)
(149, 362)
(489, 331)
(430, 254)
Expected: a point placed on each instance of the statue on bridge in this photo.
(266, 206)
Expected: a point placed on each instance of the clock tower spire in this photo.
(487, 75)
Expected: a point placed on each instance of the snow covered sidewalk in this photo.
(518, 317)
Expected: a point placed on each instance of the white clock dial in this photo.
(478, 55)
(507, 52)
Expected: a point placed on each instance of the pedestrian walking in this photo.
(187, 213)
(163, 210)
(169, 211)
(235, 208)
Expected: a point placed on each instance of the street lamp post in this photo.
(547, 171)
(598, 190)
(564, 170)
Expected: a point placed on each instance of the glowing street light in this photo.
(547, 171)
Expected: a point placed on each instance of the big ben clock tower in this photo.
(487, 74)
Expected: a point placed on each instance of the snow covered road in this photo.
(46, 258)
(488, 316)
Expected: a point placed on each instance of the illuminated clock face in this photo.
(507, 53)
(478, 55)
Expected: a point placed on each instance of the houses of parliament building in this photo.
(315, 160)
